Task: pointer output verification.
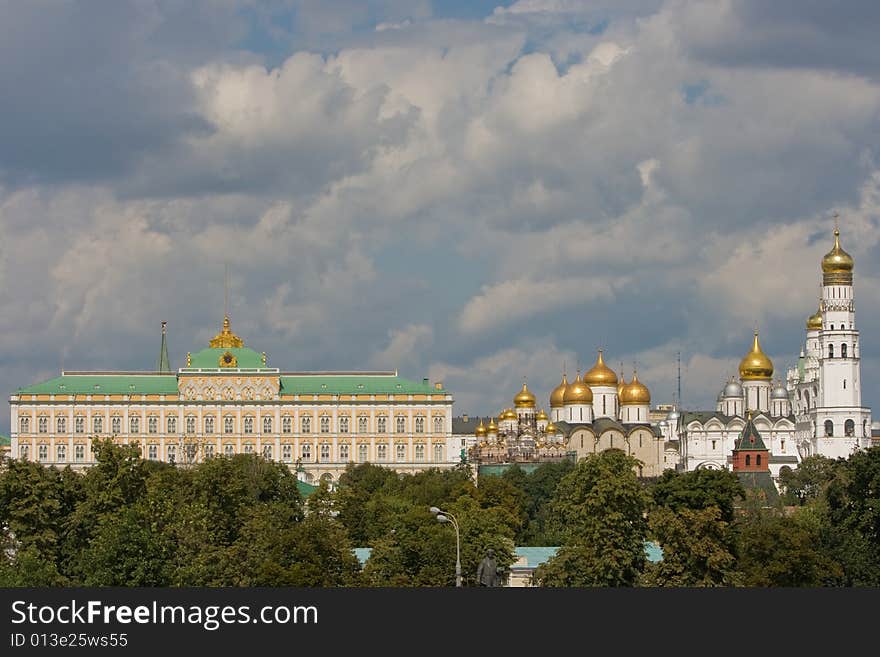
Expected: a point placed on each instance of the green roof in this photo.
(305, 489)
(209, 358)
(105, 384)
(353, 384)
(749, 439)
(5, 441)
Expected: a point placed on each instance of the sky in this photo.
(473, 192)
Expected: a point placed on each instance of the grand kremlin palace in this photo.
(227, 400)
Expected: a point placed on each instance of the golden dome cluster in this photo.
(541, 416)
(755, 365)
(837, 265)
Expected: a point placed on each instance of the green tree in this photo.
(599, 510)
(779, 550)
(806, 482)
(698, 549)
(698, 489)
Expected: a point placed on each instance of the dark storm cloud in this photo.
(90, 88)
(840, 36)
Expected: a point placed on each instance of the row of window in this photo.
(324, 452)
(842, 350)
(134, 424)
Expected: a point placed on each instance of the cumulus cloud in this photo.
(480, 198)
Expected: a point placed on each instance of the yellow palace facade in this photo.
(228, 401)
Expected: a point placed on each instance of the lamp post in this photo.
(445, 516)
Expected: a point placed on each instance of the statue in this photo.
(487, 572)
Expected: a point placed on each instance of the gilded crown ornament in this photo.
(226, 338)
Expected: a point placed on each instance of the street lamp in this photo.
(445, 516)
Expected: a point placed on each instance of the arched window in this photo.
(420, 452)
(134, 424)
(172, 424)
(286, 424)
(381, 423)
(286, 451)
(209, 451)
(829, 428)
(248, 424)
(306, 452)
(79, 424)
(400, 424)
(438, 424)
(116, 424)
(400, 452)
(61, 453)
(23, 452)
(748, 459)
(172, 453)
(438, 453)
(381, 452)
(267, 452)
(97, 424)
(362, 424)
(420, 424)
(209, 424)
(757, 459)
(306, 424)
(831, 351)
(325, 452)
(24, 425)
(849, 428)
(267, 424)
(343, 424)
(362, 453)
(190, 423)
(228, 424)
(228, 449)
(61, 425)
(343, 452)
(843, 350)
(153, 424)
(43, 424)
(325, 424)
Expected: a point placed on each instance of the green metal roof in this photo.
(105, 384)
(209, 358)
(305, 489)
(749, 439)
(5, 441)
(354, 385)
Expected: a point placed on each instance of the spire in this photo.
(164, 364)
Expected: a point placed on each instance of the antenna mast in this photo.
(678, 362)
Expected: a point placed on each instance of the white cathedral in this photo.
(819, 409)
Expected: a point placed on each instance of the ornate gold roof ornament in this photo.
(226, 338)
(228, 359)
(189, 360)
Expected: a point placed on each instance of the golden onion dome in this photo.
(600, 374)
(635, 393)
(621, 384)
(541, 415)
(551, 428)
(837, 265)
(814, 322)
(755, 365)
(492, 427)
(556, 397)
(480, 430)
(509, 414)
(577, 392)
(525, 398)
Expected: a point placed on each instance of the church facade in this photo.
(228, 400)
(590, 414)
(817, 410)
